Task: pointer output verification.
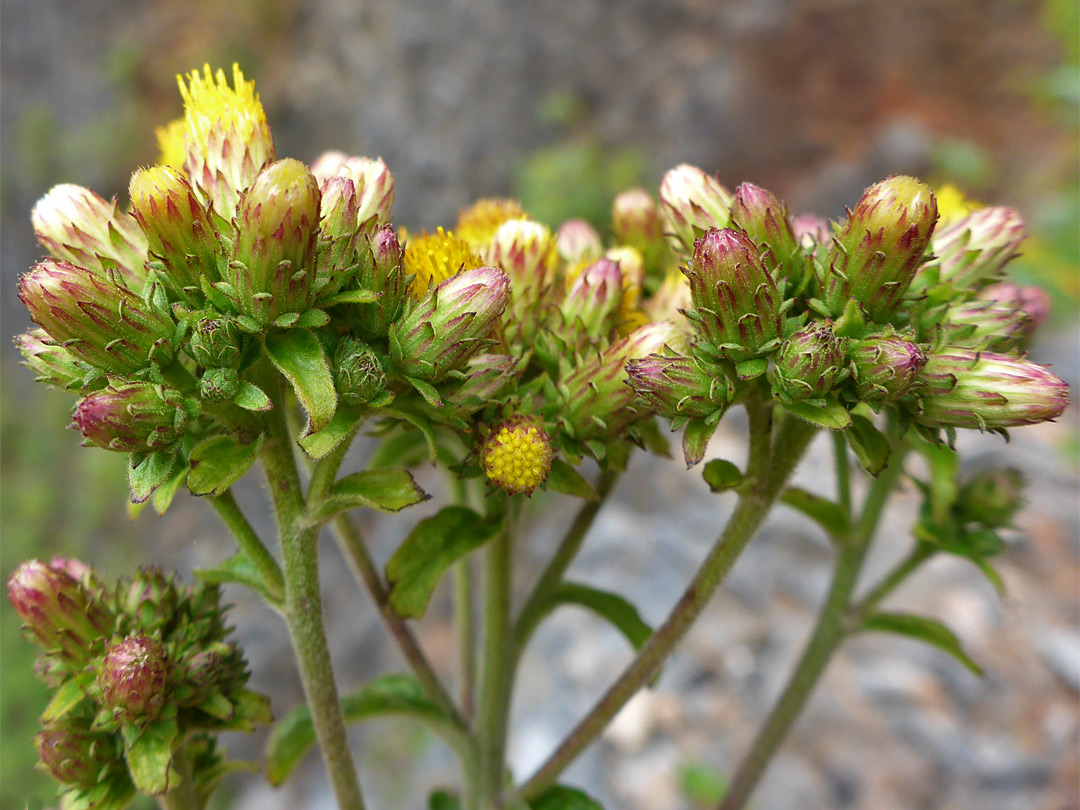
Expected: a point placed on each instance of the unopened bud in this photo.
(635, 217)
(72, 754)
(886, 367)
(973, 250)
(132, 418)
(1032, 300)
(373, 185)
(986, 325)
(53, 364)
(678, 386)
(358, 375)
(526, 251)
(577, 241)
(992, 498)
(809, 364)
(216, 342)
(134, 678)
(765, 219)
(219, 384)
(386, 275)
(692, 202)
(591, 303)
(488, 376)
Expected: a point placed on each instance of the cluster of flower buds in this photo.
(144, 659)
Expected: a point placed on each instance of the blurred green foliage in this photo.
(701, 785)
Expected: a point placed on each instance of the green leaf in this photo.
(219, 462)
(696, 440)
(149, 755)
(607, 605)
(416, 567)
(252, 398)
(943, 463)
(701, 784)
(832, 416)
(115, 793)
(299, 356)
(294, 735)
(164, 495)
(444, 800)
(920, 627)
(67, 697)
(312, 319)
(565, 479)
(388, 490)
(240, 569)
(342, 426)
(351, 297)
(824, 512)
(406, 448)
(560, 797)
(749, 369)
(869, 444)
(427, 391)
(721, 475)
(147, 473)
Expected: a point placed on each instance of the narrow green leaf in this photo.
(920, 627)
(721, 475)
(749, 369)
(151, 471)
(616, 609)
(67, 697)
(821, 510)
(388, 490)
(312, 319)
(219, 462)
(299, 356)
(240, 569)
(294, 735)
(319, 444)
(561, 797)
(444, 800)
(149, 755)
(696, 440)
(565, 479)
(351, 297)
(427, 391)
(868, 443)
(416, 567)
(164, 495)
(833, 416)
(252, 398)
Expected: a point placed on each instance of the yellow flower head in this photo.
(477, 223)
(953, 204)
(227, 138)
(172, 143)
(434, 257)
(517, 456)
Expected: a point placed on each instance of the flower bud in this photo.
(986, 325)
(591, 303)
(810, 230)
(635, 217)
(736, 301)
(765, 220)
(577, 241)
(993, 497)
(972, 251)
(228, 139)
(179, 229)
(60, 611)
(219, 384)
(386, 275)
(678, 386)
(527, 253)
(964, 388)
(1031, 299)
(277, 224)
(74, 224)
(134, 678)
(809, 364)
(72, 754)
(881, 247)
(432, 258)
(131, 418)
(216, 342)
(151, 598)
(477, 223)
(96, 320)
(488, 376)
(597, 402)
(373, 185)
(218, 667)
(517, 455)
(691, 202)
(53, 364)
(886, 367)
(358, 375)
(452, 323)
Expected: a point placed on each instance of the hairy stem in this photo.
(303, 609)
(236, 522)
(184, 796)
(769, 466)
(827, 636)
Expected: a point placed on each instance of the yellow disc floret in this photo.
(477, 223)
(517, 456)
(210, 103)
(953, 204)
(434, 257)
(171, 142)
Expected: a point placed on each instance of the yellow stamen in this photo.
(170, 138)
(209, 104)
(434, 257)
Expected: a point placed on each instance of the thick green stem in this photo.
(767, 471)
(891, 581)
(184, 796)
(303, 609)
(532, 612)
(364, 569)
(498, 666)
(843, 472)
(829, 632)
(234, 519)
(464, 627)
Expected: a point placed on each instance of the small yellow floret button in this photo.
(517, 456)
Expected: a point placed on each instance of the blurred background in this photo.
(561, 103)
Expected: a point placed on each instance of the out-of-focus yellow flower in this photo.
(953, 204)
(434, 257)
(171, 143)
(477, 223)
